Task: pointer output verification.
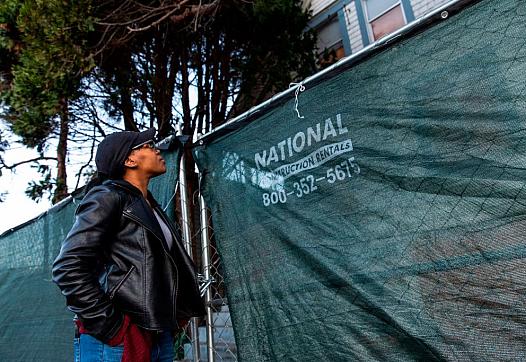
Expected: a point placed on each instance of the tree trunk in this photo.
(252, 93)
(189, 128)
(61, 189)
(127, 110)
(159, 83)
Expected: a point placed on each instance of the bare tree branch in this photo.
(92, 149)
(14, 165)
(157, 22)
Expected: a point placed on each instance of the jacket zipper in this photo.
(118, 286)
(137, 220)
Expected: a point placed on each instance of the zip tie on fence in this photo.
(197, 192)
(171, 198)
(300, 88)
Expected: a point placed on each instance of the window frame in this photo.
(370, 32)
(333, 19)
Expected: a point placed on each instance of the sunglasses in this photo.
(150, 144)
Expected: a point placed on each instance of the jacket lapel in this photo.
(140, 212)
(175, 233)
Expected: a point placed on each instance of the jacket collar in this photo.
(132, 189)
(124, 185)
(138, 209)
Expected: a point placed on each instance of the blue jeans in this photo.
(90, 349)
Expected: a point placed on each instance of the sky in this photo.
(17, 207)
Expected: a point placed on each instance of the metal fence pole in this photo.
(185, 214)
(205, 242)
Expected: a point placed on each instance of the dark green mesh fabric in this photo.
(34, 322)
(164, 187)
(388, 224)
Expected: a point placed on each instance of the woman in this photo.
(122, 267)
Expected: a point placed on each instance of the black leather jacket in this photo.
(115, 261)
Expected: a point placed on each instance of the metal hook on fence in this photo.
(299, 89)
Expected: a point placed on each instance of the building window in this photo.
(330, 43)
(384, 17)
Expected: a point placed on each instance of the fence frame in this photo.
(185, 216)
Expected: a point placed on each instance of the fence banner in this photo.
(388, 223)
(34, 322)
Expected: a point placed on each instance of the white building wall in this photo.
(317, 6)
(422, 7)
(353, 27)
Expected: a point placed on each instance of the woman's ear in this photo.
(130, 163)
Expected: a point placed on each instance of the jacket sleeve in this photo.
(76, 267)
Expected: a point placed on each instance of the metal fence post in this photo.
(205, 242)
(185, 214)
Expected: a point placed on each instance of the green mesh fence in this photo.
(34, 325)
(34, 322)
(388, 223)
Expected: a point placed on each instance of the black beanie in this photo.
(115, 148)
